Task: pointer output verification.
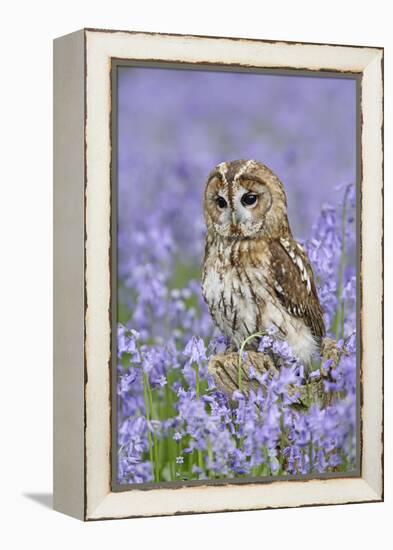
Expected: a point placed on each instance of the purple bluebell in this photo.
(167, 403)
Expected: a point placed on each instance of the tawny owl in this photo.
(256, 276)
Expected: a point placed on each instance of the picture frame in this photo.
(84, 280)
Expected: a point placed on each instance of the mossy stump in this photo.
(224, 368)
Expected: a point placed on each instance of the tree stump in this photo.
(224, 368)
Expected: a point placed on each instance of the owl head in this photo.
(245, 199)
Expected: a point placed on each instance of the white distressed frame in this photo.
(98, 500)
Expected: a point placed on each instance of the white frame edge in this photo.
(69, 283)
(100, 501)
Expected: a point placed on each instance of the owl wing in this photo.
(294, 286)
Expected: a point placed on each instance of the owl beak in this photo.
(234, 220)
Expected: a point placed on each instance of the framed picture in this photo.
(218, 340)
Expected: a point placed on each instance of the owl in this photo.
(256, 277)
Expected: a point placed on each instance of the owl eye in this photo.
(221, 202)
(248, 199)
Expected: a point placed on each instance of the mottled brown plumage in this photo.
(291, 288)
(256, 276)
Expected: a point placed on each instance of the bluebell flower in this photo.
(166, 335)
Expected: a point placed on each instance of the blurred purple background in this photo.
(175, 125)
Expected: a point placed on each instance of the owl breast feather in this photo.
(238, 290)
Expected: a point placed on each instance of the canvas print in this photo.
(236, 276)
